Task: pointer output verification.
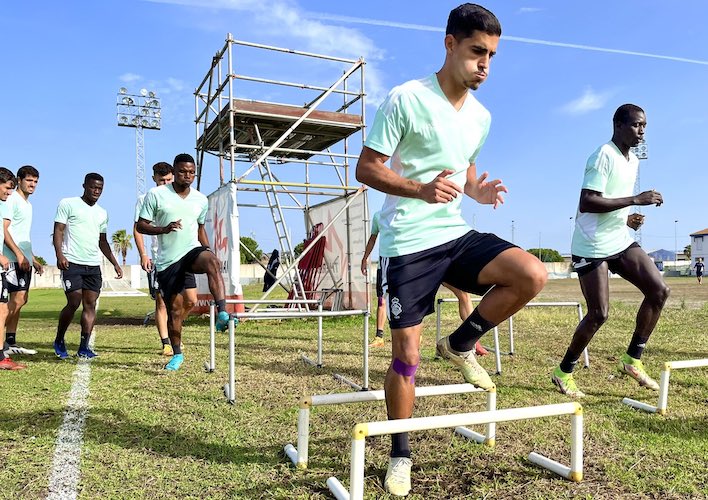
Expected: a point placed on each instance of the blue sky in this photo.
(551, 100)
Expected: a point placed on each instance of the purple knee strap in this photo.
(404, 369)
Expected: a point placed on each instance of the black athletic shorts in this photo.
(190, 281)
(81, 277)
(178, 276)
(412, 281)
(379, 285)
(17, 279)
(4, 293)
(583, 265)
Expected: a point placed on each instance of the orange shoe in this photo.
(8, 364)
(480, 350)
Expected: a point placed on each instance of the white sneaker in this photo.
(16, 349)
(398, 476)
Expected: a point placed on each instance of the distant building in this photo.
(699, 246)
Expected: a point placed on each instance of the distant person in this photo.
(698, 266)
(176, 214)
(7, 184)
(380, 308)
(432, 130)
(18, 249)
(161, 175)
(79, 239)
(601, 242)
(271, 270)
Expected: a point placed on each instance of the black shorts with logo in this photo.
(190, 281)
(81, 277)
(583, 265)
(17, 279)
(412, 281)
(178, 276)
(4, 293)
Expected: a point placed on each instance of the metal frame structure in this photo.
(262, 135)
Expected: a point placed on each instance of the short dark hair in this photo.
(470, 17)
(27, 170)
(622, 115)
(162, 168)
(7, 176)
(93, 176)
(183, 158)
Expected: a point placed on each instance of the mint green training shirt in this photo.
(163, 205)
(20, 217)
(84, 225)
(608, 172)
(423, 134)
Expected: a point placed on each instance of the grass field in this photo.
(153, 434)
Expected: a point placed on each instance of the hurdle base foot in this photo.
(291, 453)
(337, 489)
(555, 467)
(310, 362)
(345, 380)
(472, 435)
(640, 406)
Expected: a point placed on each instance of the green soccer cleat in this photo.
(635, 369)
(566, 383)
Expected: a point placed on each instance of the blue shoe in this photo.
(86, 353)
(222, 321)
(175, 362)
(60, 350)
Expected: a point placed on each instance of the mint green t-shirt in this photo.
(84, 225)
(375, 224)
(608, 172)
(4, 214)
(163, 205)
(19, 213)
(423, 134)
(153, 239)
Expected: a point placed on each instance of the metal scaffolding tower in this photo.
(260, 146)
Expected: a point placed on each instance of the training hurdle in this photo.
(234, 318)
(299, 456)
(364, 430)
(496, 349)
(661, 407)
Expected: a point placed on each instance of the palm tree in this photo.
(121, 243)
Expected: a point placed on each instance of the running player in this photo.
(432, 130)
(79, 240)
(601, 242)
(176, 214)
(18, 249)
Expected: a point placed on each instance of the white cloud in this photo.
(285, 19)
(129, 78)
(589, 101)
(528, 10)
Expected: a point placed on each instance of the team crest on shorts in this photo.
(4, 293)
(22, 282)
(396, 308)
(67, 284)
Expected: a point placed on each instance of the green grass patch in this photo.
(154, 434)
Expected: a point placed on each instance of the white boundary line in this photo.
(66, 465)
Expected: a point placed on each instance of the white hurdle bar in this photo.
(495, 349)
(299, 456)
(230, 386)
(663, 404)
(364, 430)
(210, 365)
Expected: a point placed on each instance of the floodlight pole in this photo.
(139, 111)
